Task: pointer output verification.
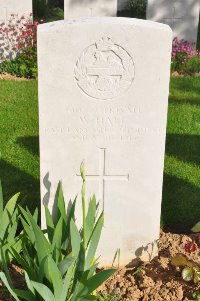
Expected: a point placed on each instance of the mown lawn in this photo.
(181, 190)
(19, 147)
(19, 164)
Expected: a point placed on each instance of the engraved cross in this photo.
(103, 176)
(173, 19)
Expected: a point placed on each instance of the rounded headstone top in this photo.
(104, 20)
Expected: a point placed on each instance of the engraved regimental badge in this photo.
(104, 70)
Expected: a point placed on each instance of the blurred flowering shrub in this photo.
(16, 33)
(18, 46)
(185, 59)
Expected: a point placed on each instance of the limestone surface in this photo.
(103, 98)
(90, 8)
(181, 15)
(20, 8)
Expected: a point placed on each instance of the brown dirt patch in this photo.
(157, 280)
(13, 77)
(177, 74)
(16, 274)
(154, 281)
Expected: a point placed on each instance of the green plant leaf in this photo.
(65, 264)
(65, 244)
(25, 214)
(196, 228)
(21, 261)
(68, 280)
(196, 295)
(92, 270)
(117, 256)
(94, 241)
(38, 246)
(13, 226)
(70, 216)
(94, 282)
(87, 298)
(28, 230)
(75, 239)
(59, 206)
(80, 284)
(18, 243)
(187, 274)
(25, 295)
(43, 271)
(43, 291)
(42, 245)
(1, 198)
(10, 206)
(35, 215)
(7, 214)
(179, 260)
(5, 266)
(28, 283)
(90, 220)
(57, 240)
(5, 281)
(56, 278)
(30, 256)
(49, 224)
(82, 171)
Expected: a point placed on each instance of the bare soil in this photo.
(157, 280)
(177, 74)
(13, 77)
(154, 281)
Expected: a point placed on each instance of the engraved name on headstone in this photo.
(181, 15)
(103, 99)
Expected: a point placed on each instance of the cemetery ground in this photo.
(19, 168)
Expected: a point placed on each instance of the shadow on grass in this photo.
(181, 199)
(186, 85)
(184, 147)
(28, 186)
(180, 100)
(180, 205)
(30, 143)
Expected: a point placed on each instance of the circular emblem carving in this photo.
(104, 70)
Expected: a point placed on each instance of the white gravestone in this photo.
(103, 95)
(181, 15)
(18, 7)
(90, 8)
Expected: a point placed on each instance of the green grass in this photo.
(19, 164)
(181, 189)
(19, 167)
